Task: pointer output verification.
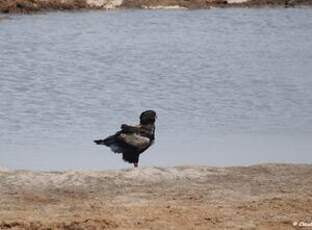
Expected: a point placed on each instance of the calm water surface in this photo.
(231, 86)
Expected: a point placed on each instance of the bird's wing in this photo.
(135, 140)
(130, 129)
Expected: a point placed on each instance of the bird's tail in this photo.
(107, 141)
(111, 142)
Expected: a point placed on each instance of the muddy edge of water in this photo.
(266, 196)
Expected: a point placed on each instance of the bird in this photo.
(131, 141)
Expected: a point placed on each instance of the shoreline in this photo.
(32, 6)
(264, 196)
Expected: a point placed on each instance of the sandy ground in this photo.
(270, 196)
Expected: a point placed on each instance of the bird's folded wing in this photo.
(130, 128)
(135, 140)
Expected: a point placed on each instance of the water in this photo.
(231, 86)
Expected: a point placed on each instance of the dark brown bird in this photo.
(131, 141)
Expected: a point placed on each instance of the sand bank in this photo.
(28, 6)
(270, 196)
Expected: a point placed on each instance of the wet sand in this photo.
(269, 196)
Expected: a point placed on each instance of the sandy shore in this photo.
(270, 196)
(29, 6)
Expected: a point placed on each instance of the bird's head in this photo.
(148, 117)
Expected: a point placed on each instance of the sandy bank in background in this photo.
(270, 196)
(28, 6)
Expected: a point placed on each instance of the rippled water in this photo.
(231, 86)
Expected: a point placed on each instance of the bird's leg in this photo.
(135, 164)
